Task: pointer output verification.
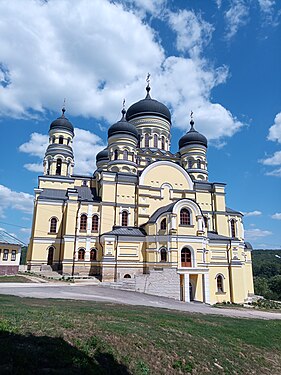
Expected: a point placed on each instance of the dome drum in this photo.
(55, 149)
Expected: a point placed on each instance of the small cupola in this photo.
(123, 127)
(193, 137)
(62, 123)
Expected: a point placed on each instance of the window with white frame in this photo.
(5, 254)
(14, 254)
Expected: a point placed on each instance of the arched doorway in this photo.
(50, 256)
(186, 258)
(191, 295)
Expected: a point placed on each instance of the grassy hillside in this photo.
(267, 273)
(81, 337)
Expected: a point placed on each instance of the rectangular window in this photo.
(5, 254)
(14, 254)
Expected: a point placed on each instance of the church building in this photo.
(146, 214)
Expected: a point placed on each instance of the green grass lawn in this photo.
(80, 337)
(14, 279)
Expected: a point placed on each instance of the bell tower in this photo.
(59, 159)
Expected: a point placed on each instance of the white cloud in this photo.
(142, 7)
(276, 216)
(275, 129)
(274, 173)
(236, 17)
(36, 146)
(218, 2)
(10, 199)
(92, 57)
(192, 32)
(252, 213)
(252, 234)
(268, 12)
(273, 160)
(85, 146)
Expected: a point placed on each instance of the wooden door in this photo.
(186, 258)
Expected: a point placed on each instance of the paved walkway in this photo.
(105, 294)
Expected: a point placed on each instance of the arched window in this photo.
(61, 140)
(185, 217)
(219, 284)
(185, 257)
(81, 254)
(163, 255)
(190, 163)
(95, 223)
(93, 255)
(138, 160)
(83, 222)
(125, 215)
(163, 142)
(198, 163)
(53, 225)
(50, 256)
(68, 141)
(53, 139)
(232, 226)
(115, 154)
(206, 221)
(127, 276)
(58, 167)
(163, 224)
(146, 140)
(155, 140)
(125, 155)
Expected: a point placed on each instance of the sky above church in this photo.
(219, 58)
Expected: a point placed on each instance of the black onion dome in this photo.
(193, 137)
(123, 127)
(102, 155)
(147, 107)
(62, 123)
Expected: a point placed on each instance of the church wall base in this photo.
(164, 283)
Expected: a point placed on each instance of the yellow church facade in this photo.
(146, 214)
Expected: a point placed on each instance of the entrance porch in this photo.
(194, 284)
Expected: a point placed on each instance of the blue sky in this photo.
(220, 59)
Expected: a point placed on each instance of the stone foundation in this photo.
(9, 270)
(163, 282)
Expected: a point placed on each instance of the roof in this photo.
(84, 194)
(123, 127)
(148, 106)
(62, 123)
(160, 211)
(9, 239)
(248, 246)
(219, 237)
(231, 211)
(127, 231)
(193, 137)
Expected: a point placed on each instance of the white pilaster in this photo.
(186, 288)
(206, 288)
